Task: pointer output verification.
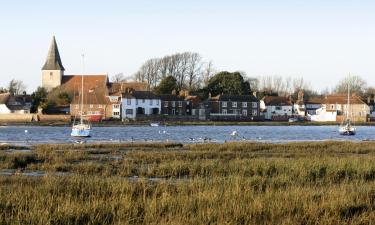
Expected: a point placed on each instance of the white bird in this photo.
(234, 133)
(26, 131)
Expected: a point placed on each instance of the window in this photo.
(136, 102)
(255, 105)
(157, 102)
(143, 101)
(173, 104)
(278, 107)
(244, 104)
(332, 106)
(91, 106)
(224, 111)
(116, 113)
(165, 104)
(173, 111)
(224, 104)
(255, 112)
(180, 104)
(234, 104)
(116, 106)
(51, 75)
(151, 101)
(100, 106)
(244, 112)
(129, 101)
(129, 112)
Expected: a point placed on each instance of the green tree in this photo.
(167, 85)
(228, 83)
(38, 97)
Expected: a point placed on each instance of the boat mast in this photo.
(83, 72)
(348, 108)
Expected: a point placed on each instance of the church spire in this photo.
(53, 61)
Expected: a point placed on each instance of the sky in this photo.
(321, 40)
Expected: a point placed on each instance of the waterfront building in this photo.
(234, 107)
(139, 104)
(277, 108)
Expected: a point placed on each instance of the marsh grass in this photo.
(232, 183)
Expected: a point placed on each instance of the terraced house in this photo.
(234, 107)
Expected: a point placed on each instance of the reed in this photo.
(232, 183)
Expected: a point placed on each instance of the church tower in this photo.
(53, 70)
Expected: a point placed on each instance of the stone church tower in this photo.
(53, 70)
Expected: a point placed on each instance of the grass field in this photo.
(232, 183)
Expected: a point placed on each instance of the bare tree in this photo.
(118, 78)
(208, 72)
(356, 84)
(16, 87)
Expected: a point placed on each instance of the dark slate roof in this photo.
(167, 97)
(53, 61)
(277, 100)
(4, 98)
(238, 98)
(140, 95)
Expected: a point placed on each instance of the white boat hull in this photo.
(347, 130)
(81, 130)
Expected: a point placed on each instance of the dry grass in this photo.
(233, 183)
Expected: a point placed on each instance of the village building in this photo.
(234, 107)
(277, 108)
(139, 104)
(172, 104)
(334, 108)
(15, 104)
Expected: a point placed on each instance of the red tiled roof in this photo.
(276, 100)
(94, 88)
(342, 99)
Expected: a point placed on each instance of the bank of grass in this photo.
(232, 183)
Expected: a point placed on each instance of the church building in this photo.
(96, 103)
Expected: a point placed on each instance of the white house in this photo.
(138, 103)
(323, 114)
(276, 107)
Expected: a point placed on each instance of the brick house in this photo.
(174, 105)
(359, 110)
(234, 107)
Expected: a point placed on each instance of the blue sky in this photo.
(321, 41)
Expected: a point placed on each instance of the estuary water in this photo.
(184, 134)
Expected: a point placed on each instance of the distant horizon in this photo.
(320, 41)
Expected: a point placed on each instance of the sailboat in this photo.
(346, 127)
(81, 129)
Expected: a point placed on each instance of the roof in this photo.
(115, 87)
(53, 61)
(171, 97)
(315, 101)
(91, 98)
(140, 95)
(277, 100)
(238, 98)
(74, 82)
(342, 99)
(94, 88)
(4, 98)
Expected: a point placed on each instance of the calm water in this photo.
(186, 134)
